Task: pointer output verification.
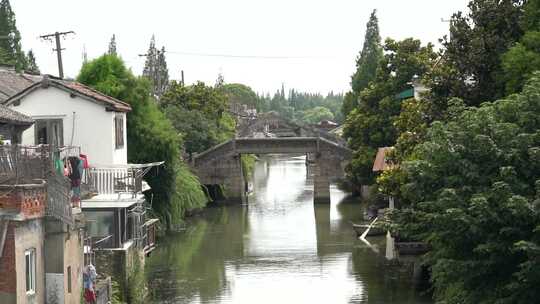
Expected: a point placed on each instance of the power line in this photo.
(58, 49)
(240, 56)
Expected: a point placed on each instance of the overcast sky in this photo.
(310, 45)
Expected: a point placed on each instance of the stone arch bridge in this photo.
(221, 165)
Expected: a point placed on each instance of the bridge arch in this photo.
(221, 164)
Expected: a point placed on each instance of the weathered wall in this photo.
(63, 253)
(88, 123)
(118, 264)
(30, 234)
(73, 257)
(8, 279)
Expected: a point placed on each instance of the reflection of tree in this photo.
(384, 281)
(192, 264)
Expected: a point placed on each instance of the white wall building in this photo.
(71, 114)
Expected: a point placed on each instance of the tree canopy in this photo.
(522, 59)
(11, 52)
(366, 64)
(471, 56)
(472, 191)
(371, 124)
(198, 113)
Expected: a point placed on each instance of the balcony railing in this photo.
(114, 180)
(25, 164)
(149, 235)
(117, 179)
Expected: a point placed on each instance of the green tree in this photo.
(471, 65)
(150, 136)
(371, 124)
(242, 94)
(523, 59)
(316, 115)
(10, 38)
(366, 64)
(472, 191)
(198, 113)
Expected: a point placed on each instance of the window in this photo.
(119, 131)
(69, 279)
(49, 131)
(30, 266)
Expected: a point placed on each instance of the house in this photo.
(67, 113)
(40, 236)
(417, 90)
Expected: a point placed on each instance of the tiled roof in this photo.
(10, 116)
(12, 83)
(14, 86)
(80, 88)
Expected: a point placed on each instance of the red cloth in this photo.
(84, 158)
(89, 295)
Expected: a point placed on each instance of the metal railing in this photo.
(114, 180)
(20, 164)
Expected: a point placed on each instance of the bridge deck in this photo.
(273, 146)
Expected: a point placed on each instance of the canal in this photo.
(278, 248)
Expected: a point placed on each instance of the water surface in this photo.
(279, 248)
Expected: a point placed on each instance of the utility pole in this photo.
(449, 21)
(58, 49)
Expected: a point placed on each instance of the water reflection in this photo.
(280, 248)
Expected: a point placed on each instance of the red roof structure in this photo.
(381, 163)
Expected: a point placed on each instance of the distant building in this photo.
(416, 91)
(326, 125)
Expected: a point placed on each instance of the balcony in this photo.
(24, 166)
(114, 181)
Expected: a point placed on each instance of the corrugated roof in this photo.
(10, 116)
(380, 163)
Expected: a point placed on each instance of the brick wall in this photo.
(28, 201)
(8, 281)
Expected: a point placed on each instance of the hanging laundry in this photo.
(74, 163)
(76, 174)
(84, 158)
(89, 278)
(59, 166)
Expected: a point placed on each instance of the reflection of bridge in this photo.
(221, 164)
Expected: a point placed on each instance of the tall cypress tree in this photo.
(155, 68)
(162, 74)
(10, 38)
(31, 66)
(112, 46)
(368, 59)
(151, 60)
(366, 63)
